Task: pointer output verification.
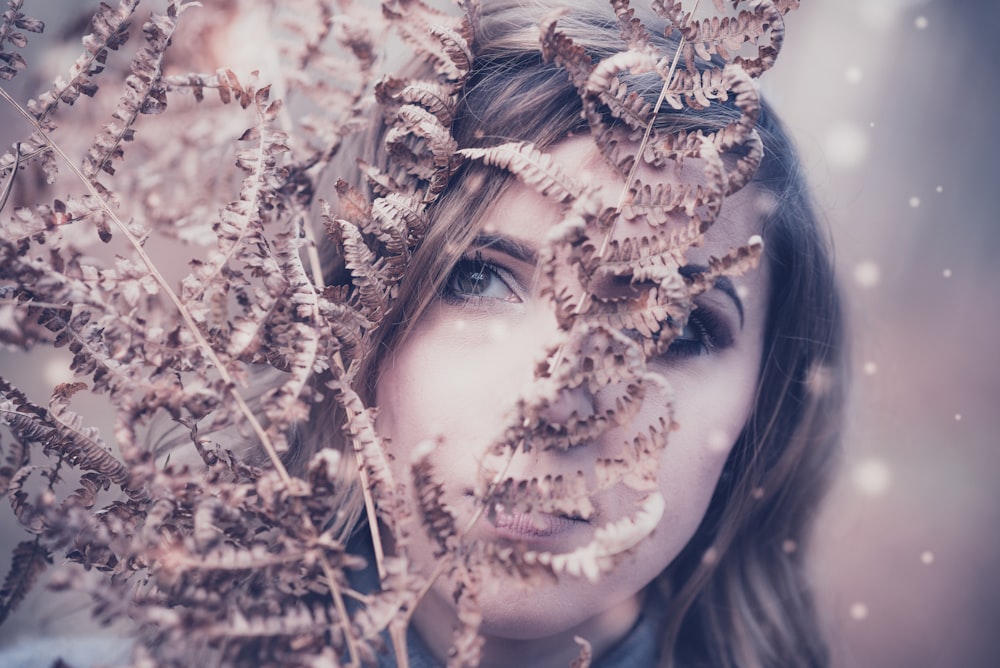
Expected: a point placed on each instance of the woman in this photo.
(481, 375)
(603, 344)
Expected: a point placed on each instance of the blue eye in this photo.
(477, 278)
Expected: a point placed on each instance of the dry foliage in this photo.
(225, 556)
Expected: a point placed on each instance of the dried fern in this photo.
(223, 553)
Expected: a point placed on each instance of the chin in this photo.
(514, 610)
(529, 617)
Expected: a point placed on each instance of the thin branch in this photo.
(338, 601)
(202, 342)
(13, 172)
(631, 176)
(312, 253)
(446, 560)
(645, 137)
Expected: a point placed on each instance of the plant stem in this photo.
(199, 338)
(338, 602)
(645, 137)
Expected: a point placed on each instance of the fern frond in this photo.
(61, 431)
(393, 92)
(109, 31)
(423, 146)
(383, 183)
(734, 263)
(344, 322)
(352, 205)
(426, 30)
(382, 500)
(531, 166)
(81, 446)
(698, 89)
(586, 654)
(556, 495)
(11, 62)
(401, 222)
(560, 49)
(627, 105)
(634, 33)
(456, 50)
(224, 81)
(654, 204)
(434, 514)
(144, 94)
(372, 290)
(29, 559)
(16, 457)
(311, 24)
(240, 224)
(297, 333)
(611, 542)
(717, 35)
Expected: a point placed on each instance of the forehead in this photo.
(524, 214)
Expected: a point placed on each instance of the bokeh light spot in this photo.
(55, 371)
(867, 274)
(710, 556)
(871, 477)
(845, 145)
(719, 441)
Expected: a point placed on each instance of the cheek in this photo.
(711, 407)
(412, 391)
(452, 380)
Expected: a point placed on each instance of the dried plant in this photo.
(217, 551)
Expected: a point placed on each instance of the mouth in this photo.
(531, 525)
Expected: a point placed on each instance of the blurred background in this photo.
(893, 104)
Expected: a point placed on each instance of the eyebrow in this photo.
(722, 283)
(506, 245)
(527, 254)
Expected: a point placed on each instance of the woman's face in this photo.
(455, 379)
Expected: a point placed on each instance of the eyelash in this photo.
(477, 264)
(710, 332)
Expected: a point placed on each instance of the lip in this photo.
(516, 525)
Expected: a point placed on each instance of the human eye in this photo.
(474, 279)
(704, 333)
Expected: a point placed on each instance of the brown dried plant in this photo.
(222, 554)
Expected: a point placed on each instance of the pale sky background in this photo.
(893, 105)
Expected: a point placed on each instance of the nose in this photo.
(582, 389)
(570, 404)
(568, 416)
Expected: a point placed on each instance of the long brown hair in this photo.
(738, 593)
